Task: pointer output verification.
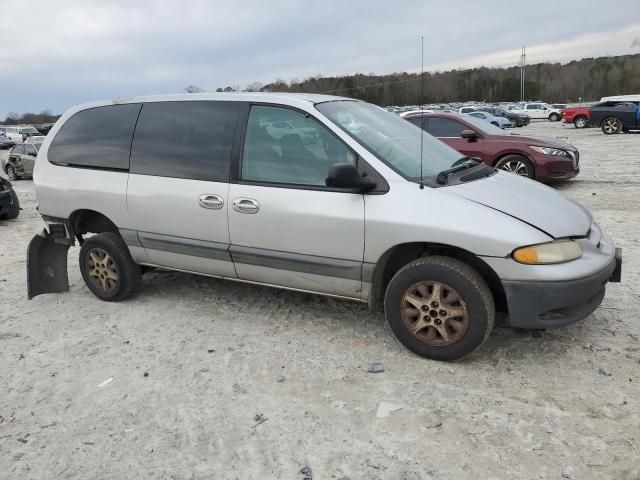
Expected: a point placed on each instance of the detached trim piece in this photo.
(295, 262)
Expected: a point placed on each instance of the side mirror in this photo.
(345, 175)
(469, 135)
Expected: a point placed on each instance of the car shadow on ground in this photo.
(515, 346)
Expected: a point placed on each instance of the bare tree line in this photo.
(586, 79)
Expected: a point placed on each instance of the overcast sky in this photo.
(55, 54)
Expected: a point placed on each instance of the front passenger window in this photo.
(285, 146)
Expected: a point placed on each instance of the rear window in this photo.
(96, 138)
(185, 139)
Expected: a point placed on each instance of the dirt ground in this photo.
(202, 378)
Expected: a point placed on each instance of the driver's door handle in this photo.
(211, 201)
(245, 205)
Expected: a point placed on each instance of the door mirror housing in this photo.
(345, 175)
(470, 135)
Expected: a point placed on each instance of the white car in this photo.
(20, 133)
(383, 214)
(539, 111)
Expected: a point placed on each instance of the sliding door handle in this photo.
(245, 205)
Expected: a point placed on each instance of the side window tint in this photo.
(97, 137)
(30, 150)
(301, 154)
(185, 139)
(445, 127)
(19, 149)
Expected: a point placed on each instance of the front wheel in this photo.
(611, 126)
(554, 117)
(516, 164)
(108, 269)
(580, 122)
(439, 308)
(11, 173)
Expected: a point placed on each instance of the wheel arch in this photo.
(501, 155)
(90, 221)
(400, 255)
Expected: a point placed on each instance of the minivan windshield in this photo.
(391, 138)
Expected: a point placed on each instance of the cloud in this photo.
(79, 51)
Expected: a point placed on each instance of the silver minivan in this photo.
(350, 201)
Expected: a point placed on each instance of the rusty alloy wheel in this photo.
(434, 313)
(102, 270)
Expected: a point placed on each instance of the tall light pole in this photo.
(523, 64)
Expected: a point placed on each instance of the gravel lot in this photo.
(202, 378)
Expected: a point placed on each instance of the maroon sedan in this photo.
(543, 159)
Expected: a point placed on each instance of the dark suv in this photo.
(545, 160)
(516, 119)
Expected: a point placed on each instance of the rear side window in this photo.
(96, 138)
(18, 149)
(444, 127)
(185, 140)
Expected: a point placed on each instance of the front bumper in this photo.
(539, 305)
(6, 200)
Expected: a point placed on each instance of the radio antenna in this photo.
(421, 109)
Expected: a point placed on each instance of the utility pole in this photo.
(523, 65)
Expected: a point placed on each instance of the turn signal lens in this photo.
(549, 253)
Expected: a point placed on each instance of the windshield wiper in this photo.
(462, 164)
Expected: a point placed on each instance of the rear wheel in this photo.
(554, 117)
(439, 308)
(516, 164)
(11, 173)
(108, 269)
(580, 122)
(611, 126)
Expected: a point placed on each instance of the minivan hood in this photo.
(534, 203)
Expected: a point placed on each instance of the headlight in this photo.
(548, 253)
(550, 151)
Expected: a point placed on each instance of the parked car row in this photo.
(612, 114)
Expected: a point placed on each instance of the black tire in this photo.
(11, 173)
(475, 299)
(117, 261)
(580, 122)
(14, 208)
(512, 164)
(611, 126)
(554, 117)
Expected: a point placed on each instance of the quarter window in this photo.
(285, 146)
(185, 139)
(444, 127)
(97, 137)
